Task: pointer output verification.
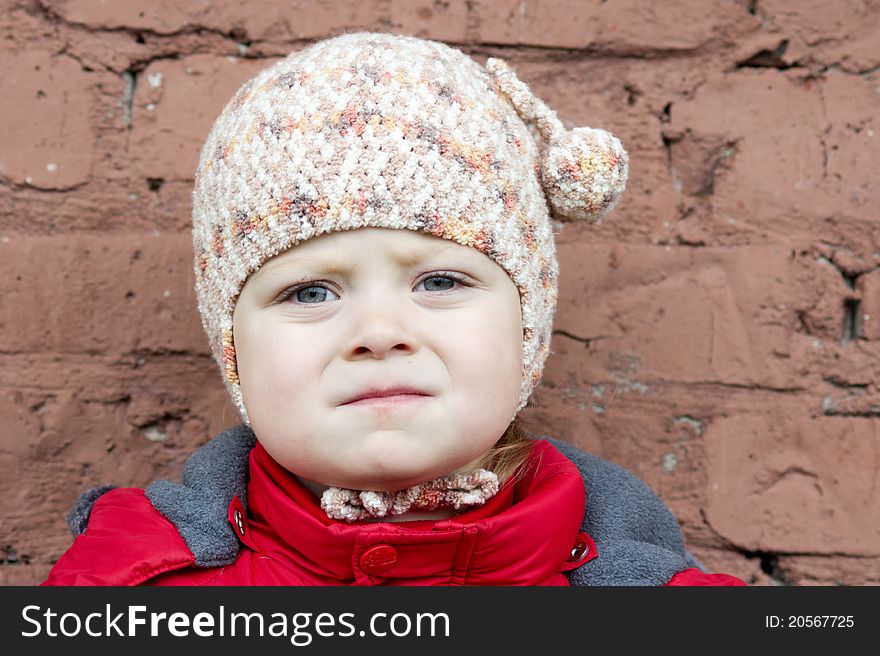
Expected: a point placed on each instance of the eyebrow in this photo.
(329, 264)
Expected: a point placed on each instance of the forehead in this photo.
(402, 245)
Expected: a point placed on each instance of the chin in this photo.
(388, 480)
(387, 484)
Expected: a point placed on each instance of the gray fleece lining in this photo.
(212, 476)
(638, 540)
(78, 517)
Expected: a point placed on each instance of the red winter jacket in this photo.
(530, 533)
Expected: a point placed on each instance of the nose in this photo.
(381, 330)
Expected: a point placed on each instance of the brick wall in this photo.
(719, 335)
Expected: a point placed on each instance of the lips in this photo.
(390, 391)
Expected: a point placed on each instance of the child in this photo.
(380, 443)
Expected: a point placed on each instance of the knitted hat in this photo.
(378, 130)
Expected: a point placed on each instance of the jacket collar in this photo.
(522, 536)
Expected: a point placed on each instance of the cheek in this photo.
(274, 364)
(486, 353)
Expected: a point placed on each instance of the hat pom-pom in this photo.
(583, 173)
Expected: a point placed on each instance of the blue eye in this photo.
(434, 279)
(307, 295)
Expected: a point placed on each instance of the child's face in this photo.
(380, 321)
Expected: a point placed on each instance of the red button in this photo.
(378, 559)
(584, 548)
(237, 516)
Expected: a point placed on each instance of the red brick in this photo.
(313, 19)
(514, 22)
(46, 127)
(19, 409)
(825, 570)
(442, 21)
(99, 294)
(628, 25)
(795, 485)
(852, 145)
(762, 144)
(869, 310)
(23, 574)
(684, 315)
(849, 25)
(258, 19)
(175, 104)
(91, 422)
(161, 16)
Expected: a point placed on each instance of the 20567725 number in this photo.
(809, 621)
